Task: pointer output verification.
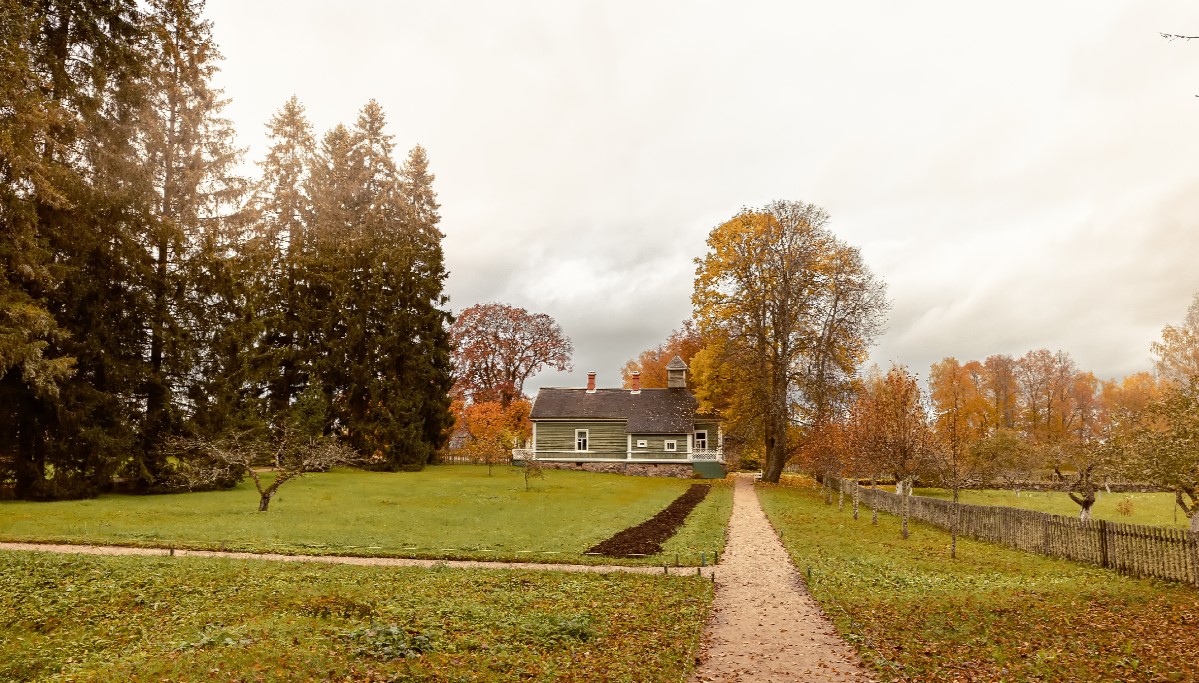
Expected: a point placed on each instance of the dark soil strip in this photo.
(647, 537)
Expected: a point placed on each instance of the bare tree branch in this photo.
(203, 462)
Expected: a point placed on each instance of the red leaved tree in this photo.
(498, 347)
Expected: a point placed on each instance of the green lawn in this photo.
(449, 511)
(993, 614)
(86, 618)
(1158, 509)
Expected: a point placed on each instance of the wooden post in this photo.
(1103, 561)
(1192, 550)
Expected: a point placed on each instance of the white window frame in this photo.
(642, 443)
(670, 445)
(701, 439)
(585, 441)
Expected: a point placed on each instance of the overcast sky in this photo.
(1020, 174)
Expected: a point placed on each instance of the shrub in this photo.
(1124, 507)
(388, 642)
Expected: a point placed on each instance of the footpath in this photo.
(349, 559)
(764, 625)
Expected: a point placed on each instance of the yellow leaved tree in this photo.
(787, 312)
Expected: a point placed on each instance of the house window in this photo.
(642, 443)
(580, 439)
(670, 445)
(701, 439)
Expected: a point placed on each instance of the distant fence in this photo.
(1133, 549)
(449, 458)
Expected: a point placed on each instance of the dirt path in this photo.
(764, 625)
(342, 559)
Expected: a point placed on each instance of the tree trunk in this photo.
(776, 429)
(264, 501)
(775, 457)
(907, 485)
(30, 468)
(857, 493)
(841, 494)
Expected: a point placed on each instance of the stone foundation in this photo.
(635, 469)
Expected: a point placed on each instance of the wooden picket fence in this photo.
(1133, 549)
(457, 458)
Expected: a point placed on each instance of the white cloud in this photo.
(1020, 174)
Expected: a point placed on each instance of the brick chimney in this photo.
(636, 381)
(591, 382)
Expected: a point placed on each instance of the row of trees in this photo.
(784, 315)
(149, 292)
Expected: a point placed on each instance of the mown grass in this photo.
(450, 511)
(992, 614)
(1158, 509)
(88, 618)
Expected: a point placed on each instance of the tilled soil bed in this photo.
(647, 537)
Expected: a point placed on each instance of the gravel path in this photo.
(342, 559)
(764, 625)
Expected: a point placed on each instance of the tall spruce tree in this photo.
(189, 154)
(279, 327)
(30, 373)
(73, 212)
(430, 368)
(378, 264)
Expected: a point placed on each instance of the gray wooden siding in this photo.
(603, 438)
(713, 431)
(655, 446)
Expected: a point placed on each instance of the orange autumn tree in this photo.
(1122, 403)
(651, 363)
(962, 417)
(890, 422)
(494, 429)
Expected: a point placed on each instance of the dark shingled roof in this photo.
(652, 411)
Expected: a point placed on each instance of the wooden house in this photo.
(633, 430)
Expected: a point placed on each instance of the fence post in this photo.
(1103, 545)
(1193, 547)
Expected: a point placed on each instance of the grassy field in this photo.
(449, 511)
(993, 614)
(1158, 509)
(86, 618)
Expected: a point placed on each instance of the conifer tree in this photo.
(189, 153)
(30, 372)
(282, 210)
(378, 266)
(75, 67)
